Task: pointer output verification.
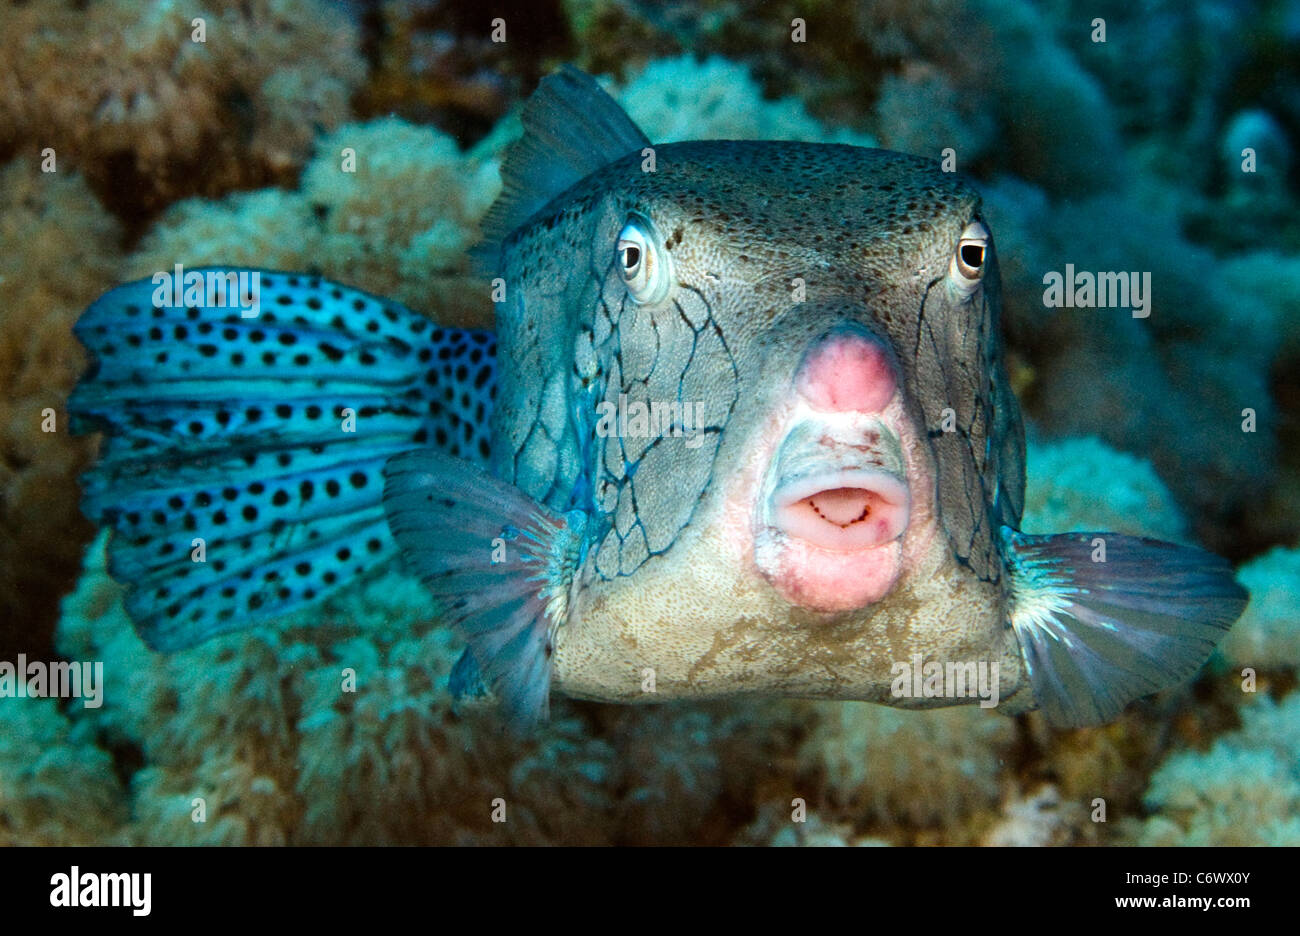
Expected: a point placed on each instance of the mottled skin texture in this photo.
(670, 582)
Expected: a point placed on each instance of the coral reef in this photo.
(930, 772)
(1084, 484)
(435, 61)
(56, 786)
(1176, 384)
(239, 149)
(1245, 790)
(685, 99)
(1268, 634)
(58, 251)
(336, 727)
(955, 73)
(1036, 820)
(776, 827)
(149, 114)
(354, 219)
(921, 111)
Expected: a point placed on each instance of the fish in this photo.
(743, 428)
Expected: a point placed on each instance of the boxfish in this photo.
(743, 427)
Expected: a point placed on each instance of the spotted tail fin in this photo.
(257, 444)
(1104, 619)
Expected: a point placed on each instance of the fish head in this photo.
(766, 373)
(834, 275)
(823, 316)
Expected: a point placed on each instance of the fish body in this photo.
(751, 433)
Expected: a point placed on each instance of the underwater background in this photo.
(127, 147)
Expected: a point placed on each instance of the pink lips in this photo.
(845, 511)
(841, 548)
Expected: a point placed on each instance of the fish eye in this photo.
(641, 263)
(967, 267)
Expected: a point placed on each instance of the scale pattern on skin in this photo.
(678, 354)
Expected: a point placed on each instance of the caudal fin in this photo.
(499, 563)
(1102, 624)
(241, 470)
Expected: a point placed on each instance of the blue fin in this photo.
(465, 681)
(571, 129)
(236, 430)
(1097, 635)
(499, 563)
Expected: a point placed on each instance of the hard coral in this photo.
(58, 251)
(686, 99)
(56, 786)
(123, 92)
(1244, 791)
(1039, 819)
(880, 766)
(1084, 484)
(385, 205)
(1268, 634)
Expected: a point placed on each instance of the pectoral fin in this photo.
(1102, 624)
(499, 563)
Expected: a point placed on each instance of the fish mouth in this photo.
(843, 511)
(836, 504)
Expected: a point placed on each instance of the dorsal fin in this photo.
(571, 129)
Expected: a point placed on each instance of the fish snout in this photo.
(848, 370)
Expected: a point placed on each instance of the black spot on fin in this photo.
(571, 129)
